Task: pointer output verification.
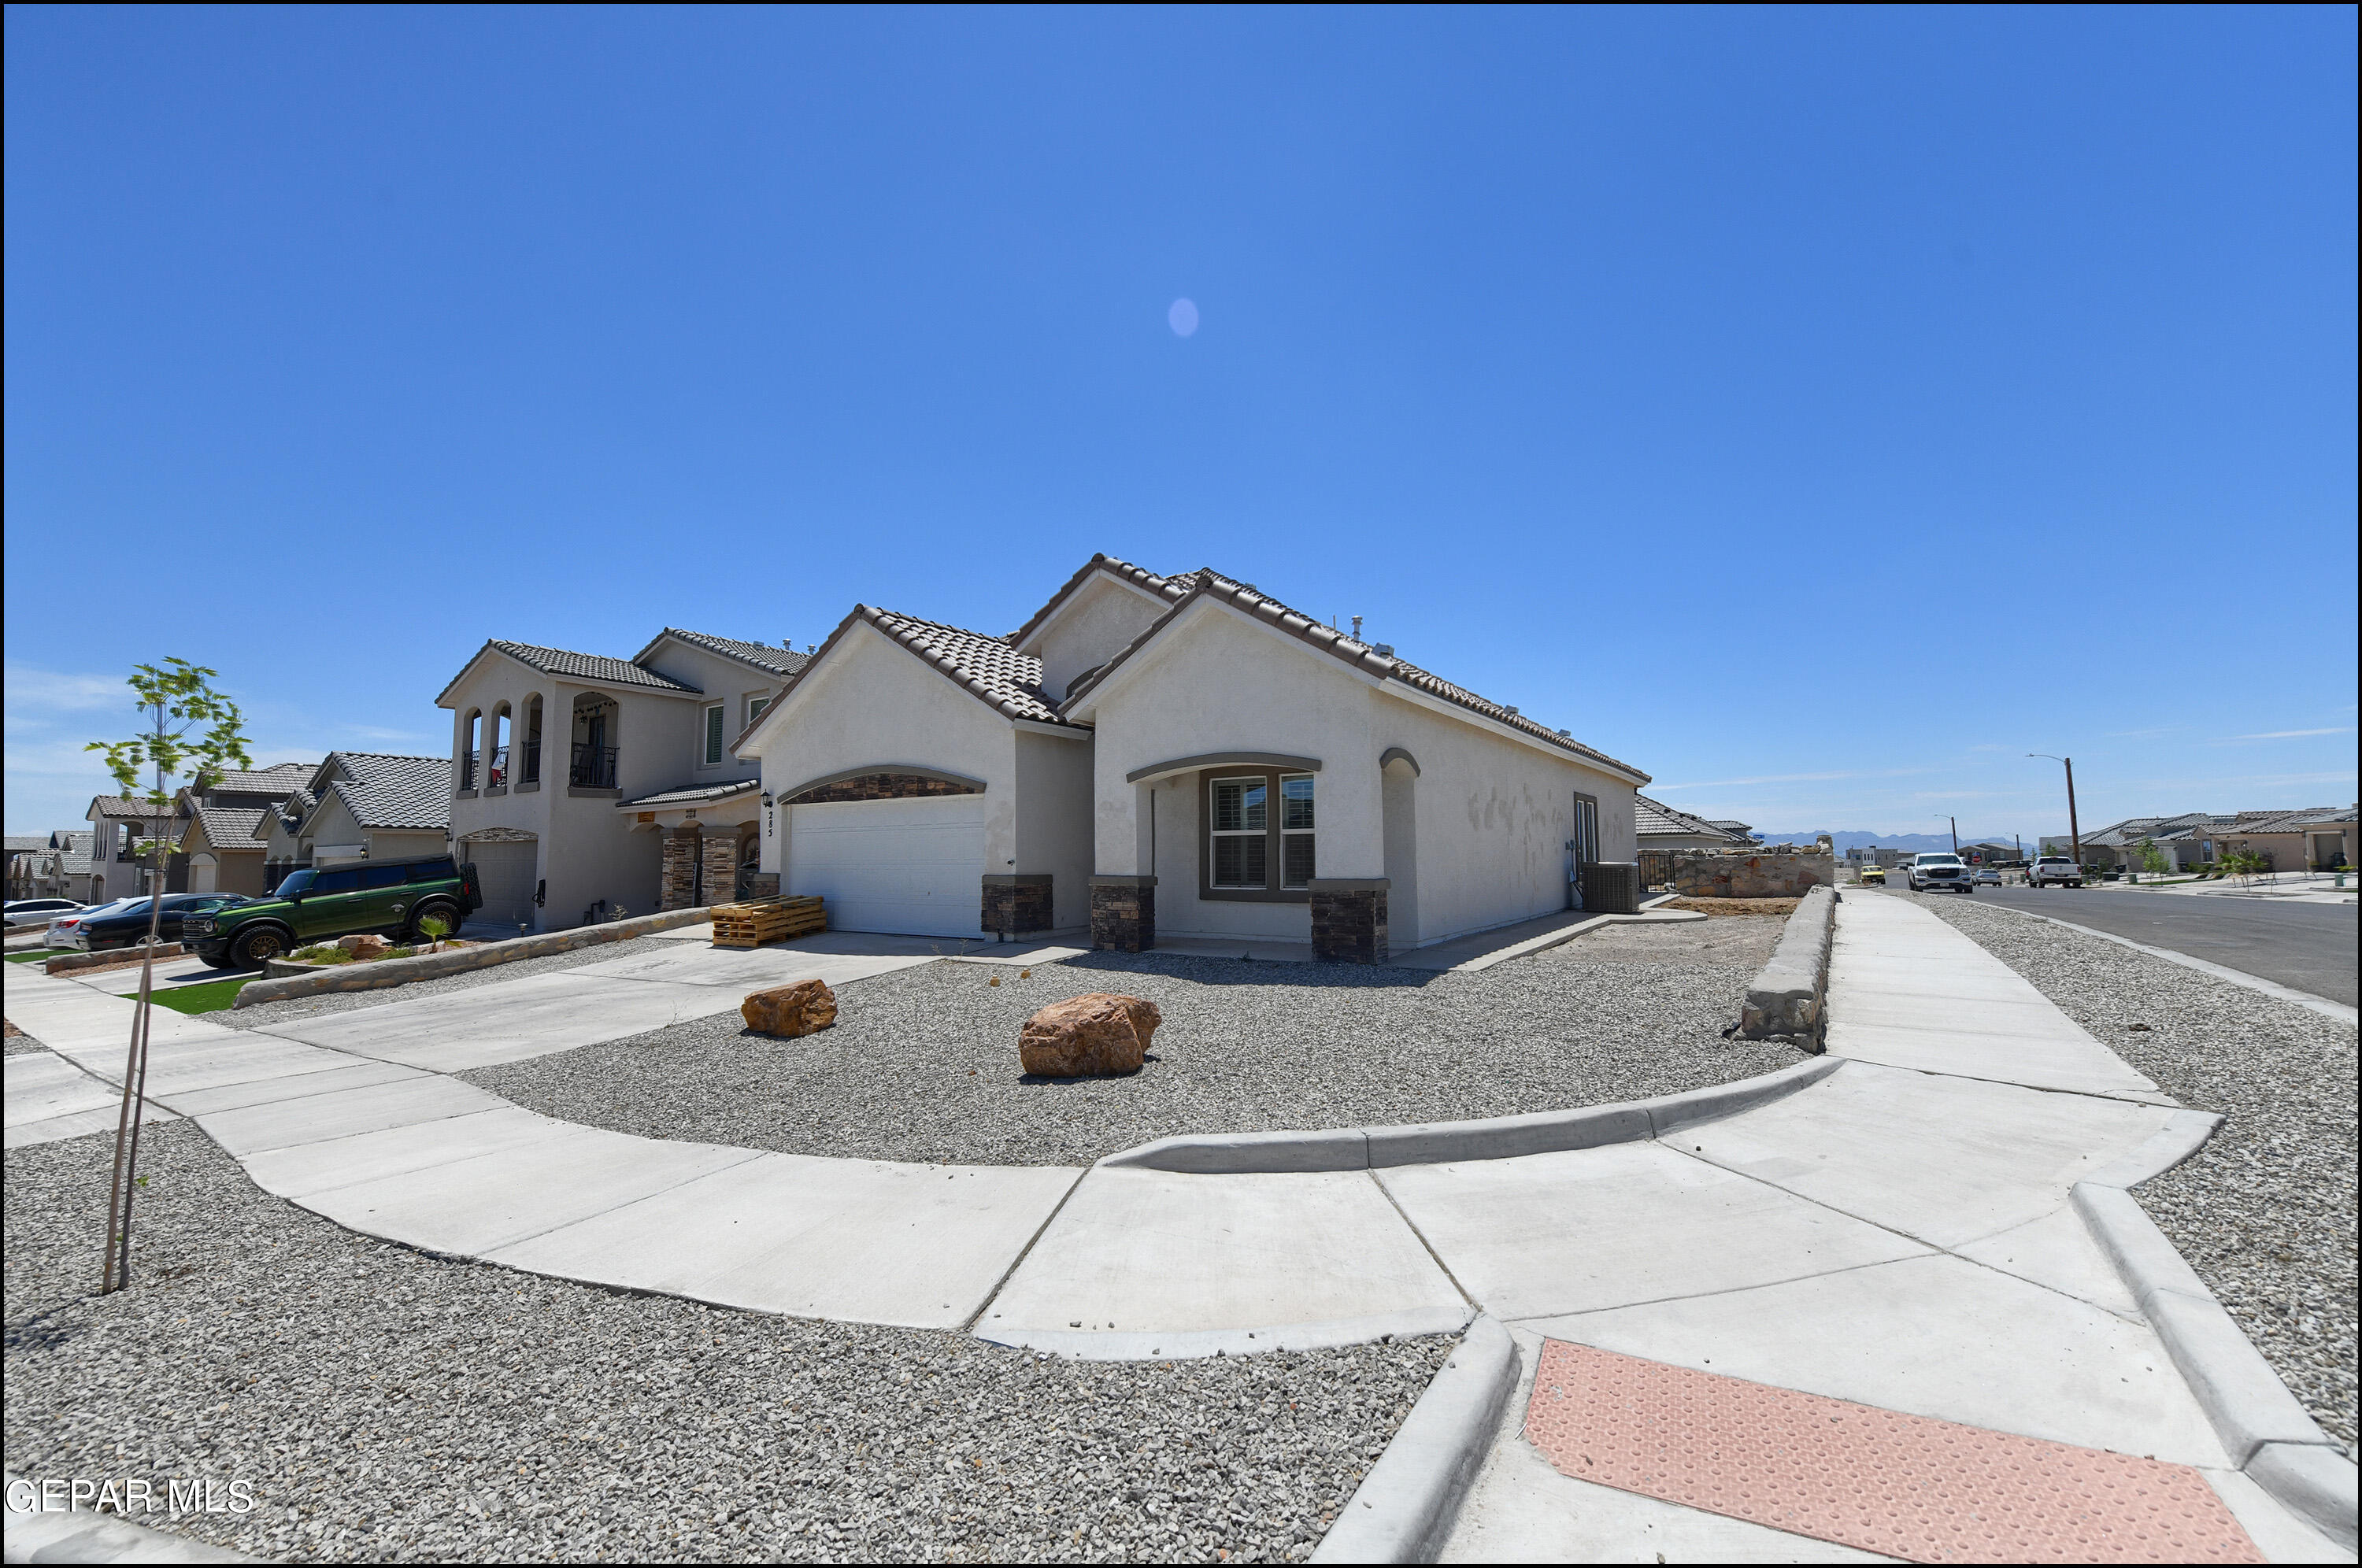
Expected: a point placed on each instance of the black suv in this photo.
(313, 905)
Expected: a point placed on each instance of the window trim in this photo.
(716, 739)
(1274, 836)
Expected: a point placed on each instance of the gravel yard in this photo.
(922, 1065)
(2265, 1213)
(255, 1016)
(389, 1406)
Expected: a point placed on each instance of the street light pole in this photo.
(1956, 830)
(2074, 829)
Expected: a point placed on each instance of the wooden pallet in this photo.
(767, 920)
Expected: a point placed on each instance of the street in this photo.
(2309, 946)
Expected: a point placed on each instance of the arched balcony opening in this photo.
(592, 765)
(471, 749)
(529, 765)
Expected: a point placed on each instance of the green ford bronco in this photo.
(313, 905)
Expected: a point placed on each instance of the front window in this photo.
(1260, 833)
(754, 706)
(1939, 860)
(1242, 834)
(1296, 830)
(713, 737)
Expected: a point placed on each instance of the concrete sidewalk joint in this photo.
(1405, 1508)
(1491, 1137)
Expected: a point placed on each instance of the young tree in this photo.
(189, 731)
(2153, 859)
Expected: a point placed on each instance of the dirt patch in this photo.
(1735, 906)
(1746, 943)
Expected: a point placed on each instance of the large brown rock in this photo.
(364, 947)
(805, 1008)
(1086, 1035)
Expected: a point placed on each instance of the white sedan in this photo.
(22, 912)
(1987, 877)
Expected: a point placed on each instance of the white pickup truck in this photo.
(1929, 872)
(2053, 871)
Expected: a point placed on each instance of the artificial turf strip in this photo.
(37, 953)
(212, 997)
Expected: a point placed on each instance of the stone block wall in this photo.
(1123, 913)
(719, 883)
(1017, 902)
(1349, 921)
(1705, 874)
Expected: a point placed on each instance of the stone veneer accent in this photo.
(1123, 913)
(1703, 874)
(759, 885)
(719, 883)
(1349, 920)
(880, 787)
(680, 886)
(1017, 903)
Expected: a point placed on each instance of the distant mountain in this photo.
(1915, 843)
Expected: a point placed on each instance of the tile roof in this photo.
(1654, 818)
(986, 666)
(75, 860)
(573, 665)
(395, 791)
(19, 843)
(228, 827)
(1248, 599)
(280, 778)
(130, 808)
(704, 792)
(2293, 821)
(763, 655)
(289, 813)
(1171, 589)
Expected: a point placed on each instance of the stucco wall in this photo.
(1053, 820)
(1491, 814)
(871, 704)
(1089, 629)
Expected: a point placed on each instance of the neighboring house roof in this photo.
(127, 807)
(383, 791)
(21, 844)
(2293, 821)
(698, 796)
(1655, 818)
(280, 778)
(227, 827)
(593, 668)
(75, 859)
(1206, 582)
(781, 661)
(289, 813)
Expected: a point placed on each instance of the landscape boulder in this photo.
(1087, 1035)
(363, 948)
(790, 1011)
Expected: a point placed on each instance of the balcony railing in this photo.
(593, 768)
(498, 773)
(532, 762)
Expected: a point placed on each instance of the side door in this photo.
(329, 908)
(384, 898)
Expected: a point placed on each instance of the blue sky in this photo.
(1819, 409)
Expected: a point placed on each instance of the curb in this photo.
(84, 1535)
(2261, 1424)
(387, 972)
(1405, 1508)
(1493, 1138)
(1790, 996)
(2321, 1005)
(112, 955)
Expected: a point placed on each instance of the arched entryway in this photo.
(1398, 776)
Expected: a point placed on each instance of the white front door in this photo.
(915, 868)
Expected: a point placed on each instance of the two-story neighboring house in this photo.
(219, 852)
(581, 784)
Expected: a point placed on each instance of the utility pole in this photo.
(1956, 830)
(2074, 829)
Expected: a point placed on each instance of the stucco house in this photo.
(356, 805)
(580, 784)
(1180, 755)
(26, 852)
(219, 851)
(2320, 838)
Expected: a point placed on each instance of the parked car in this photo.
(22, 912)
(1874, 873)
(124, 923)
(1929, 872)
(2053, 871)
(59, 927)
(1987, 877)
(314, 904)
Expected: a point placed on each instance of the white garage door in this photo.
(505, 873)
(911, 866)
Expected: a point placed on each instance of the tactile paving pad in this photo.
(1908, 1487)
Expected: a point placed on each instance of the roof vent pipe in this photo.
(1510, 709)
(1357, 629)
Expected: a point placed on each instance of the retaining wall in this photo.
(1790, 996)
(429, 965)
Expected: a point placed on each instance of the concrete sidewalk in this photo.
(1899, 1233)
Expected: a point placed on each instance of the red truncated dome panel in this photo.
(1908, 1487)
